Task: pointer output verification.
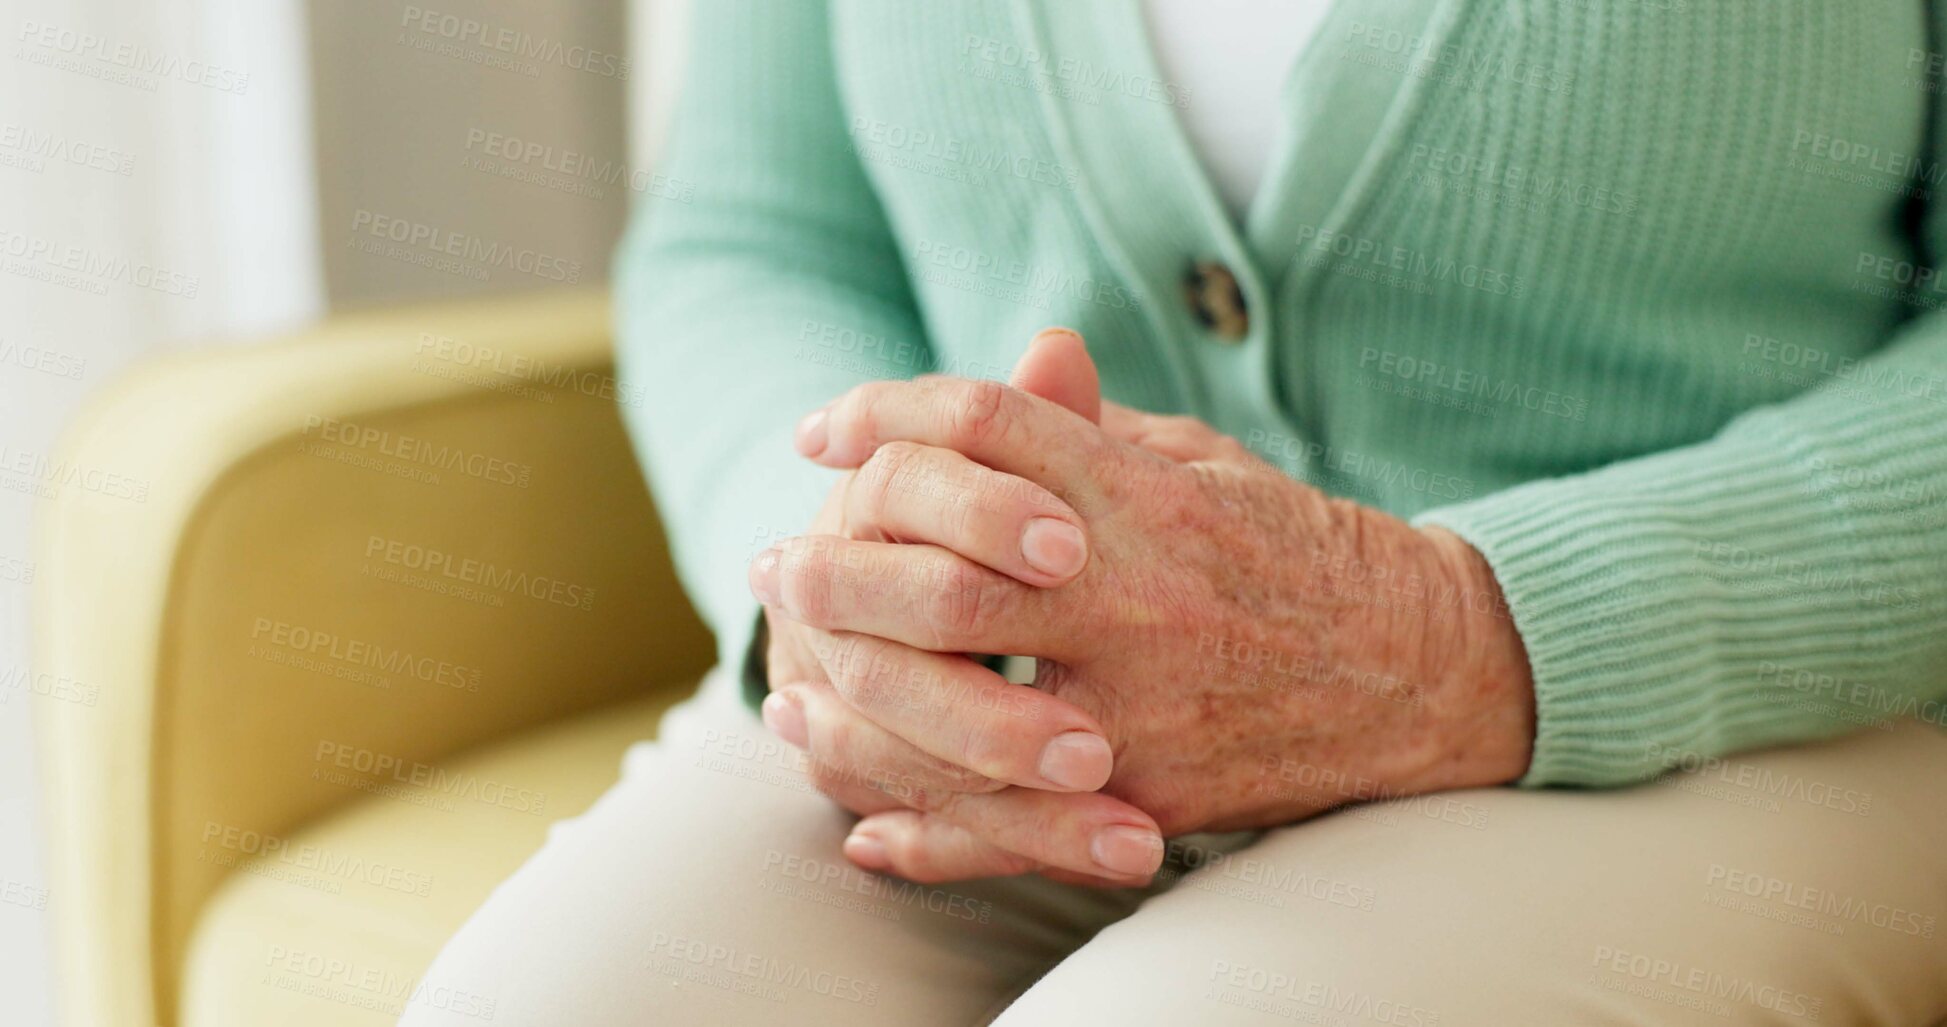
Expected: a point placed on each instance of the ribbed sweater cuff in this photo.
(1669, 604)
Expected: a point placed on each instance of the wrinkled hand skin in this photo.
(1248, 673)
(1226, 630)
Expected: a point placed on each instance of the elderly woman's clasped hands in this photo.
(1209, 653)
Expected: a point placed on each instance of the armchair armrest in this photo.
(409, 531)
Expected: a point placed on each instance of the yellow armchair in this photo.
(327, 632)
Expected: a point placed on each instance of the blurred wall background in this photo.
(424, 122)
(210, 172)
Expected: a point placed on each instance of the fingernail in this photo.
(1078, 759)
(811, 434)
(866, 851)
(784, 715)
(1049, 333)
(1054, 547)
(1131, 851)
(763, 577)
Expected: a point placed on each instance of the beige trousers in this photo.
(1794, 886)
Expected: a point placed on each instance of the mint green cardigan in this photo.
(1634, 297)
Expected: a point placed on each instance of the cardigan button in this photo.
(1215, 300)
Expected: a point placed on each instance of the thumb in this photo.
(1057, 367)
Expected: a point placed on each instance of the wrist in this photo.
(1486, 678)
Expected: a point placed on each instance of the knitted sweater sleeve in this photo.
(761, 284)
(1783, 580)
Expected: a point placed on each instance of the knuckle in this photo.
(978, 413)
(958, 514)
(957, 605)
(953, 777)
(975, 783)
(826, 648)
(808, 579)
(950, 806)
(867, 675)
(855, 415)
(986, 749)
(926, 800)
(900, 785)
(991, 597)
(960, 487)
(889, 469)
(840, 654)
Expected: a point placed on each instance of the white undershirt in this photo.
(1231, 56)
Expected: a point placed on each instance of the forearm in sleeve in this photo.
(1783, 581)
(760, 284)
